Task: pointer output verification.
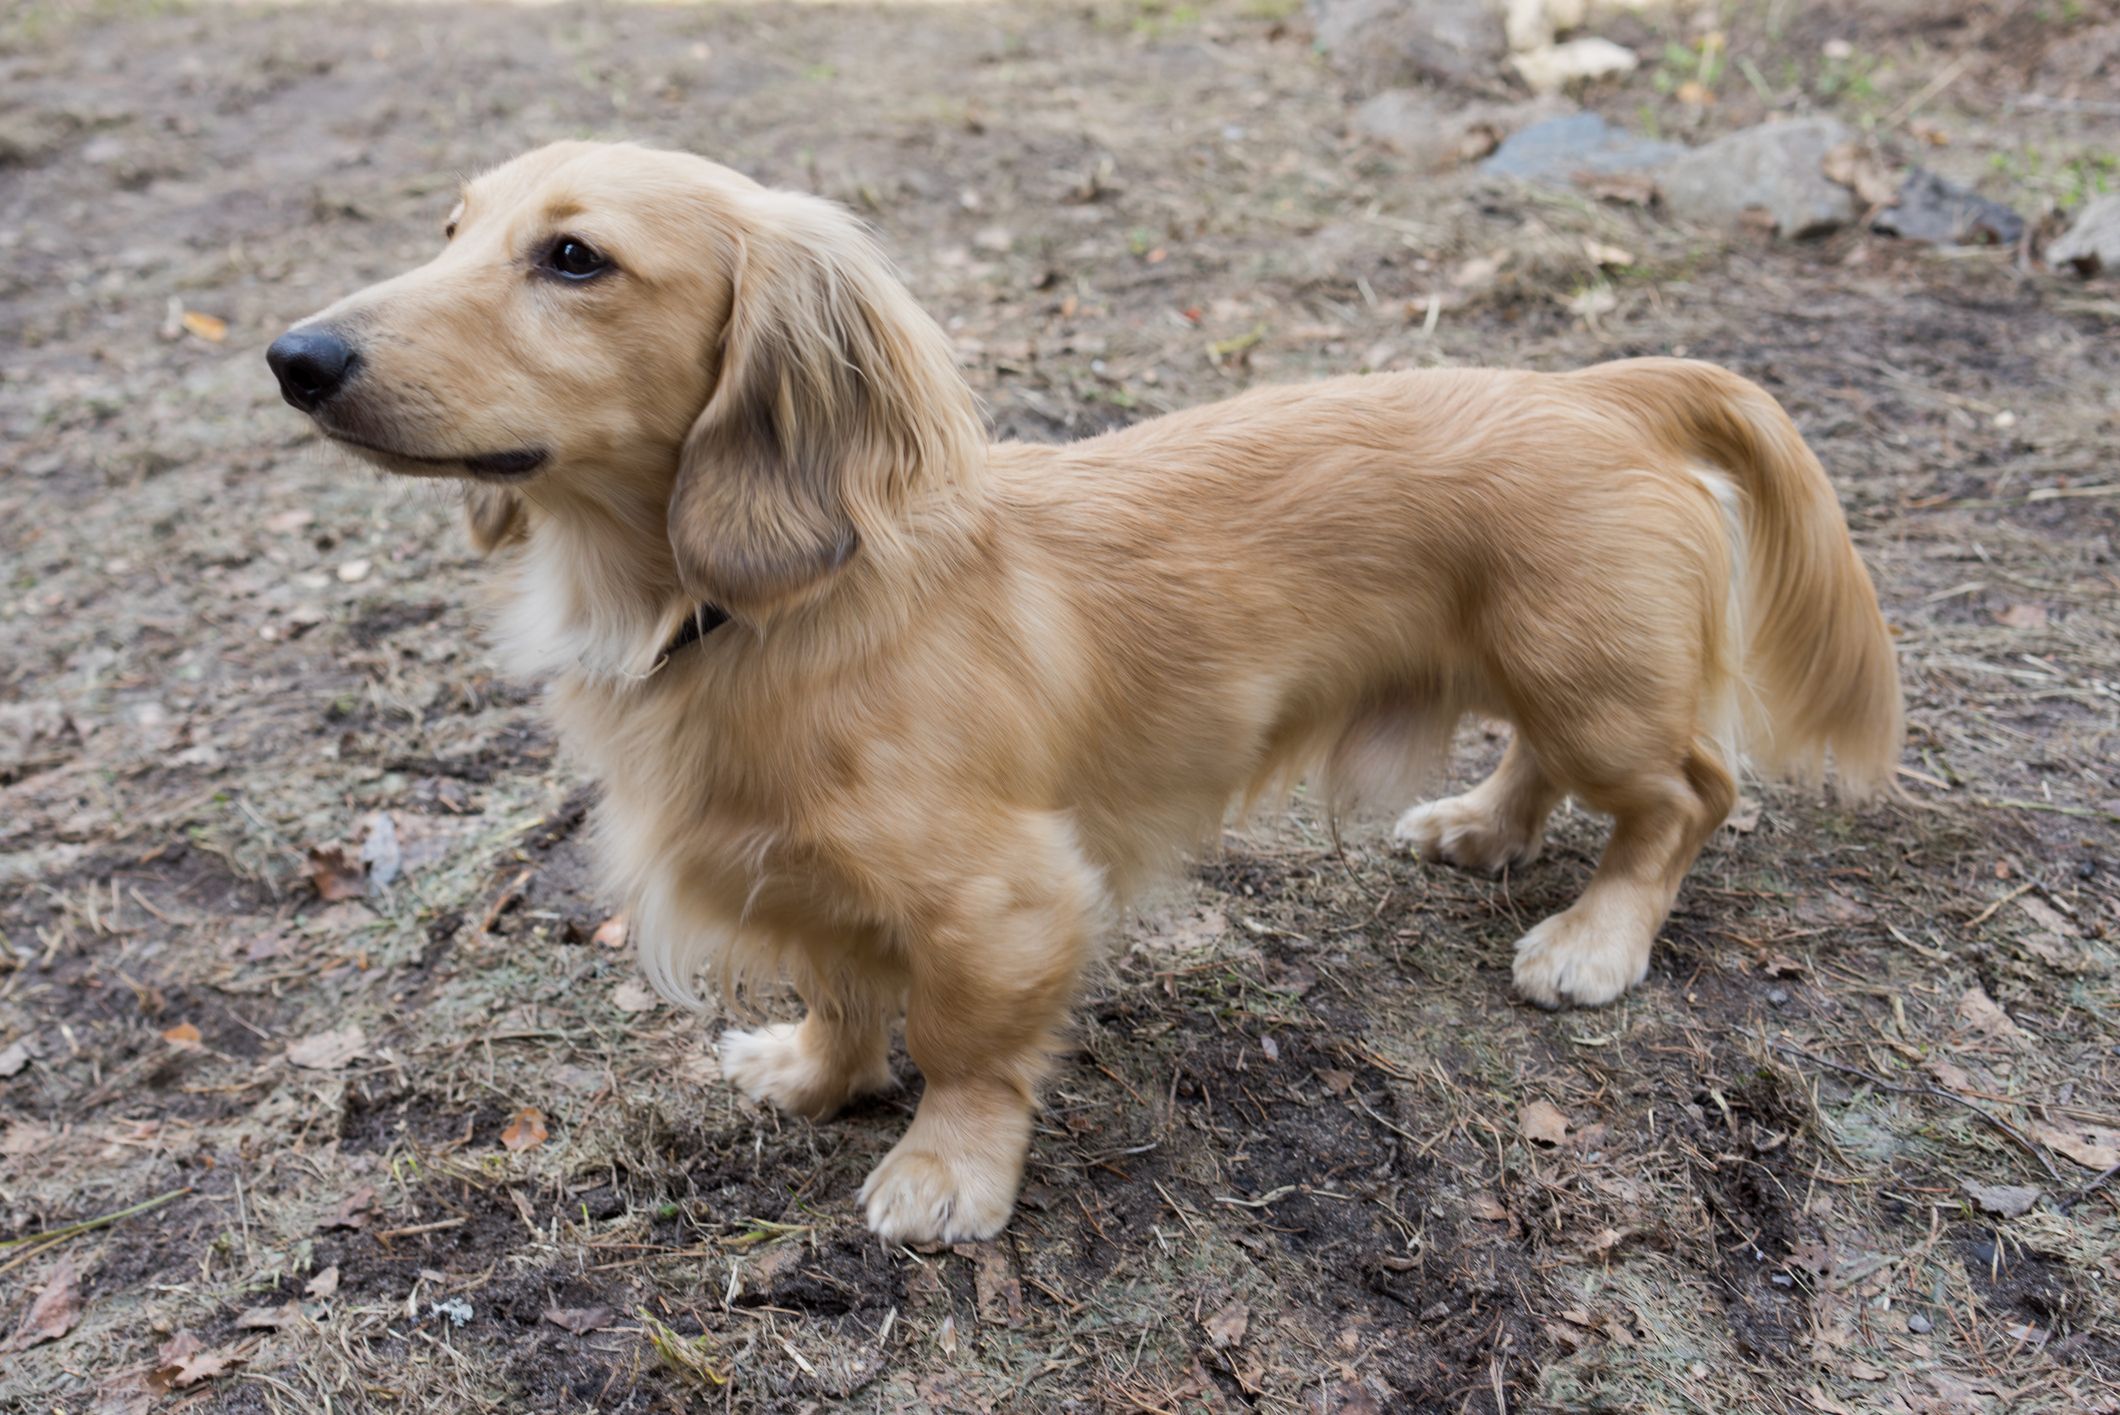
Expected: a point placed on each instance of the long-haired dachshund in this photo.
(905, 716)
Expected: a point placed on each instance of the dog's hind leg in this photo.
(1500, 822)
(1597, 948)
(839, 1052)
(991, 979)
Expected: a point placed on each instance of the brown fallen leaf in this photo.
(170, 1359)
(526, 1131)
(996, 1288)
(2092, 1146)
(1336, 1081)
(611, 933)
(1863, 171)
(336, 874)
(1487, 1208)
(54, 1312)
(205, 326)
(184, 1035)
(324, 1284)
(1542, 1123)
(1981, 1012)
(579, 1320)
(352, 1211)
(2008, 1200)
(1625, 188)
(634, 997)
(328, 1050)
(1226, 1328)
(269, 1318)
(2022, 616)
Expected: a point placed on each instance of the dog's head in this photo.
(639, 334)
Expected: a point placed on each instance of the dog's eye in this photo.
(575, 259)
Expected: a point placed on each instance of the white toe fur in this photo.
(1572, 958)
(1460, 831)
(771, 1064)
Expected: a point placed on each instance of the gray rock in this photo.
(1438, 133)
(1945, 214)
(1777, 168)
(1552, 152)
(1379, 44)
(2092, 242)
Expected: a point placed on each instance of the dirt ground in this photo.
(1310, 1153)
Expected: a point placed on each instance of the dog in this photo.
(905, 718)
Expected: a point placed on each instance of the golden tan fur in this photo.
(974, 696)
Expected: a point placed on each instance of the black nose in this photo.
(311, 364)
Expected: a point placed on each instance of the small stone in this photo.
(1777, 168)
(1778, 996)
(1553, 152)
(1438, 136)
(1945, 214)
(1918, 1324)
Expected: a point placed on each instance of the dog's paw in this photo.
(772, 1064)
(1573, 958)
(920, 1196)
(1461, 831)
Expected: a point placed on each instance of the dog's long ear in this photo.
(835, 401)
(494, 516)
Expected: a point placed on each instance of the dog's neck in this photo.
(591, 594)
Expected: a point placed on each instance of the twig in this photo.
(2085, 1192)
(2030, 1146)
(87, 1224)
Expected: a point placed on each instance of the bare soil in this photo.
(1301, 1158)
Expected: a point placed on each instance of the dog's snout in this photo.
(311, 364)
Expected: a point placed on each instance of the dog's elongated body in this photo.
(972, 697)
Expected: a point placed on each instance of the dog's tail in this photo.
(1819, 673)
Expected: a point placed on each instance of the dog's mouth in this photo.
(516, 465)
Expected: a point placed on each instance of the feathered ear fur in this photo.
(836, 399)
(494, 516)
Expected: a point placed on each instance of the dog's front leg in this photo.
(839, 1052)
(991, 980)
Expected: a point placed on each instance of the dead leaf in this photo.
(324, 1284)
(2008, 1200)
(1694, 94)
(327, 1050)
(1542, 1123)
(1226, 1328)
(1981, 1012)
(1864, 172)
(15, 1057)
(54, 1312)
(1606, 1239)
(611, 933)
(2092, 1146)
(2022, 616)
(1864, 1371)
(269, 1318)
(335, 875)
(183, 1035)
(1336, 1081)
(526, 1131)
(1487, 1208)
(1603, 254)
(579, 1320)
(634, 997)
(352, 1211)
(193, 1369)
(205, 326)
(998, 1290)
(1626, 188)
(1950, 1076)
